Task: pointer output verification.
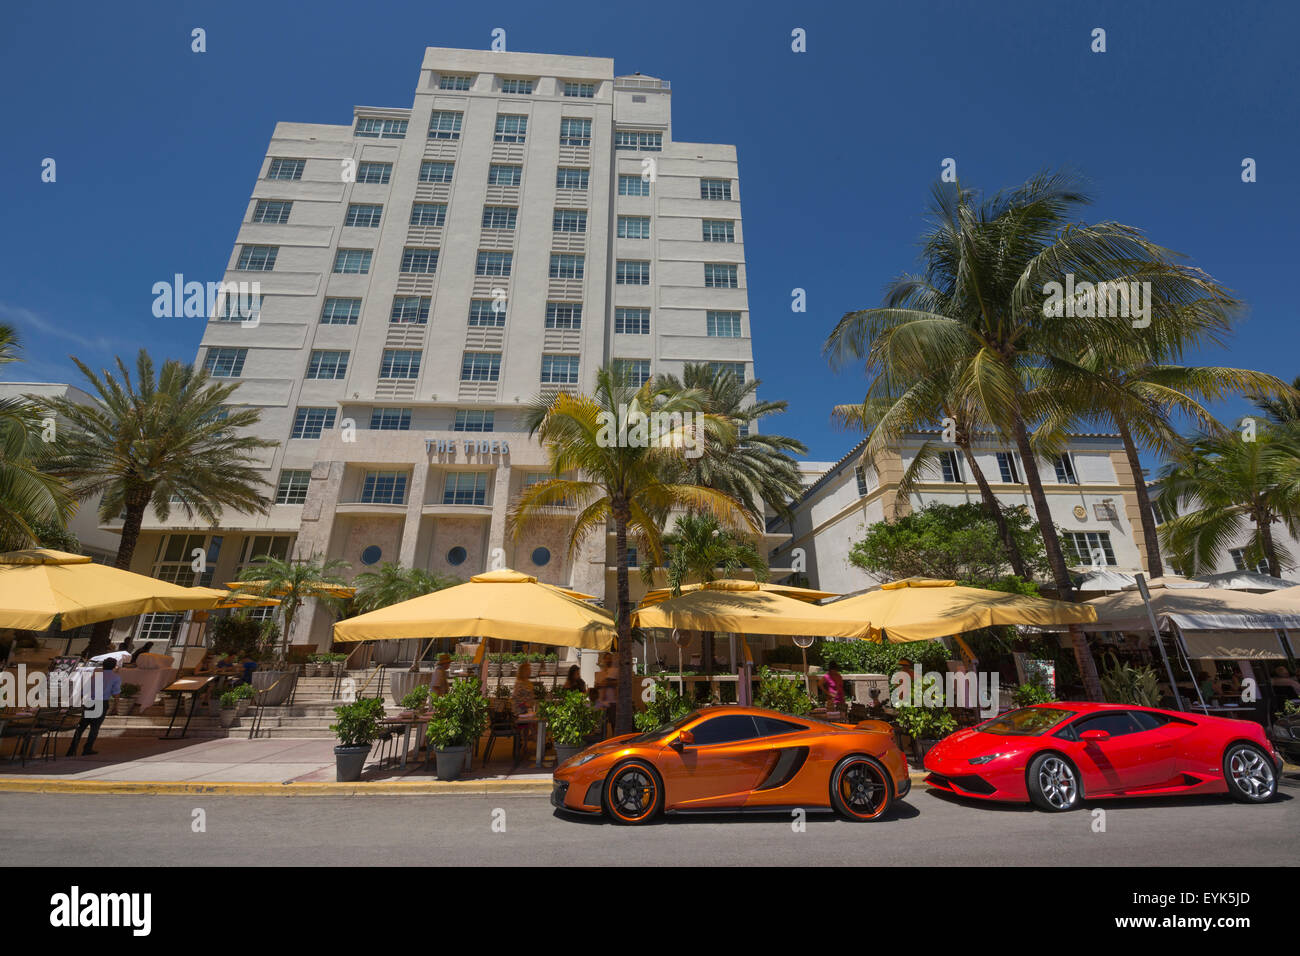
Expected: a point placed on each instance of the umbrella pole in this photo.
(1140, 580)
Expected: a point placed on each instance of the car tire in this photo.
(633, 793)
(1249, 773)
(861, 789)
(1053, 783)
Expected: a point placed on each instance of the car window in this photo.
(1149, 720)
(1117, 723)
(725, 730)
(771, 727)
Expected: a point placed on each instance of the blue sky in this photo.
(157, 148)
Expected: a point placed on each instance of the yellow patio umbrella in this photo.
(318, 589)
(236, 599)
(39, 584)
(744, 607)
(504, 604)
(921, 609)
(655, 595)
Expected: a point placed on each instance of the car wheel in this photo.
(633, 794)
(1053, 783)
(860, 788)
(1249, 773)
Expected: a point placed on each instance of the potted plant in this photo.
(126, 703)
(570, 720)
(357, 728)
(416, 700)
(459, 717)
(925, 725)
(228, 712)
(244, 695)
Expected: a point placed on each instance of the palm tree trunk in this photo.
(1147, 514)
(136, 503)
(623, 718)
(994, 509)
(1264, 524)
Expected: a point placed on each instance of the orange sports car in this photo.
(730, 758)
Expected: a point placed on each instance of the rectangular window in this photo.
(292, 487)
(445, 124)
(390, 419)
(480, 367)
(460, 83)
(235, 307)
(1238, 556)
(410, 310)
(634, 227)
(715, 188)
(327, 364)
(1009, 468)
(569, 220)
(435, 171)
(637, 371)
(1065, 469)
(474, 420)
(225, 363)
(493, 264)
(486, 314)
(400, 363)
(372, 127)
(644, 141)
(422, 262)
(567, 177)
(1091, 547)
(723, 325)
(632, 272)
(633, 186)
(584, 91)
(563, 315)
(500, 217)
(312, 422)
(559, 370)
(363, 216)
(376, 173)
(340, 312)
(428, 214)
(950, 466)
(575, 132)
(564, 266)
(512, 87)
(465, 488)
(632, 321)
(511, 128)
(274, 212)
(719, 230)
(352, 261)
(257, 258)
(727, 368)
(719, 276)
(384, 488)
(500, 175)
(860, 474)
(286, 169)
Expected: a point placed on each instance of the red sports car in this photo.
(1057, 754)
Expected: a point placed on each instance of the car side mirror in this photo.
(1094, 736)
(684, 739)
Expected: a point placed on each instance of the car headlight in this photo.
(579, 760)
(985, 759)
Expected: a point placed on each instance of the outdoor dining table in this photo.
(407, 724)
(541, 734)
(194, 686)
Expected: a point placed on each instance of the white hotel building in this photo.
(425, 272)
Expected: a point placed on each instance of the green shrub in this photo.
(868, 657)
(459, 715)
(570, 718)
(228, 700)
(1032, 693)
(416, 698)
(1126, 684)
(665, 706)
(358, 724)
(244, 692)
(782, 694)
(236, 634)
(130, 690)
(920, 722)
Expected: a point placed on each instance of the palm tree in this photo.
(294, 581)
(1219, 486)
(158, 439)
(391, 584)
(1281, 409)
(632, 485)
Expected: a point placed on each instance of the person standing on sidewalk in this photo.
(97, 710)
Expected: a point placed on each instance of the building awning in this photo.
(1234, 645)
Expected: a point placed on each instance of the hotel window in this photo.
(511, 128)
(484, 314)
(569, 220)
(390, 419)
(272, 211)
(445, 124)
(1009, 468)
(461, 83)
(160, 626)
(371, 127)
(567, 177)
(721, 368)
(1065, 474)
(500, 217)
(719, 230)
(715, 188)
(499, 175)
(1091, 547)
(564, 315)
(312, 422)
(352, 261)
(235, 307)
(719, 276)
(632, 561)
(465, 488)
(327, 364)
(428, 214)
(480, 367)
(722, 325)
(292, 489)
(363, 216)
(286, 169)
(400, 363)
(340, 312)
(434, 171)
(559, 370)
(643, 141)
(634, 227)
(633, 186)
(565, 266)
(575, 132)
(632, 321)
(422, 262)
(257, 258)
(376, 173)
(225, 363)
(474, 420)
(636, 371)
(493, 264)
(632, 272)
(585, 91)
(860, 474)
(272, 546)
(949, 466)
(410, 310)
(384, 488)
(1238, 556)
(512, 87)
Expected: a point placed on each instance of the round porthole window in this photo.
(457, 555)
(372, 554)
(541, 557)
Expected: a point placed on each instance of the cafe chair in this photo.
(503, 726)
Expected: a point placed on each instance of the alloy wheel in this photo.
(863, 789)
(1251, 773)
(633, 794)
(1056, 781)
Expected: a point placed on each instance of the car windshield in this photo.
(1026, 722)
(659, 733)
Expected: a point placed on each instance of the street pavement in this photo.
(523, 829)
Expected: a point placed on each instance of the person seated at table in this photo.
(573, 680)
(607, 685)
(440, 683)
(1231, 686)
(1205, 686)
(1284, 680)
(524, 697)
(206, 666)
(249, 664)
